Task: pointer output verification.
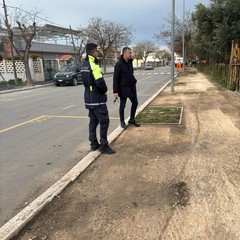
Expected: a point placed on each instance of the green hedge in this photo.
(10, 82)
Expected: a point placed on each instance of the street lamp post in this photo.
(172, 47)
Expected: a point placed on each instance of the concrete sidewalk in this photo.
(168, 182)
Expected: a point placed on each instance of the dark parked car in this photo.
(68, 75)
(149, 67)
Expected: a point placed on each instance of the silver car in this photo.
(149, 67)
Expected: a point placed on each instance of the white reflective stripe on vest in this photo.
(94, 104)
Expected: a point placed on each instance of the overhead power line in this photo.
(44, 19)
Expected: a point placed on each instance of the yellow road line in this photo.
(21, 124)
(47, 117)
(79, 117)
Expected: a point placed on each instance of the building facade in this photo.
(44, 59)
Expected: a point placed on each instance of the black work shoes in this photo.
(123, 125)
(106, 149)
(94, 145)
(133, 122)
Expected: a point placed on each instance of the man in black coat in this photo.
(124, 86)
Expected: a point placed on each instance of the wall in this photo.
(36, 68)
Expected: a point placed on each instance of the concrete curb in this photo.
(14, 225)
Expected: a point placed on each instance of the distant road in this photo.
(44, 133)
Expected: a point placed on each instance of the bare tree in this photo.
(138, 52)
(108, 35)
(187, 28)
(22, 32)
(164, 54)
(142, 50)
(80, 49)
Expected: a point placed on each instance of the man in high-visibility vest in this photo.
(95, 97)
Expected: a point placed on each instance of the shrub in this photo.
(34, 57)
(12, 81)
(3, 83)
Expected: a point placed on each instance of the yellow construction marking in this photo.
(47, 117)
(21, 124)
(41, 119)
(83, 117)
(70, 106)
(77, 117)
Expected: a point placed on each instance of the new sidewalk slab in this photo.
(165, 182)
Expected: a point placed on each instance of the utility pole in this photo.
(172, 47)
(183, 47)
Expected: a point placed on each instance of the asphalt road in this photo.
(44, 133)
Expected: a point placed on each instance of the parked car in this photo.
(149, 67)
(68, 75)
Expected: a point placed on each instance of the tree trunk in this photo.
(14, 64)
(28, 73)
(104, 65)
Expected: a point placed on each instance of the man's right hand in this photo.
(116, 95)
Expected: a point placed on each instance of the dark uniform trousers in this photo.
(123, 101)
(98, 115)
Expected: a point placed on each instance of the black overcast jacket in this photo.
(124, 82)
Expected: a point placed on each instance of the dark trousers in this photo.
(122, 106)
(97, 116)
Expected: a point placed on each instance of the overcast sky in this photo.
(145, 17)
